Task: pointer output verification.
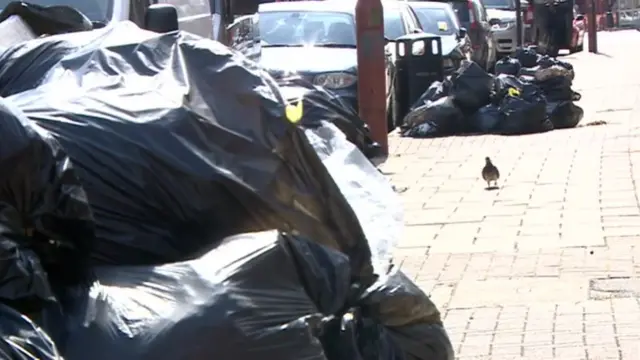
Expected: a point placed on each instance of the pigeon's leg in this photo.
(495, 183)
(488, 184)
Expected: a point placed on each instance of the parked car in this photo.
(502, 17)
(439, 19)
(579, 27)
(317, 40)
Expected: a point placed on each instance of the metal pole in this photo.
(519, 26)
(372, 97)
(593, 28)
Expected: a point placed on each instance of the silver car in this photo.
(502, 17)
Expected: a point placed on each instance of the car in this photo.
(439, 19)
(317, 40)
(577, 39)
(502, 18)
(473, 17)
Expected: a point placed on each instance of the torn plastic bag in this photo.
(508, 65)
(41, 198)
(439, 118)
(486, 119)
(554, 71)
(527, 56)
(410, 317)
(180, 142)
(564, 114)
(547, 62)
(249, 298)
(51, 20)
(436, 91)
(372, 198)
(471, 87)
(21, 339)
(523, 116)
(321, 105)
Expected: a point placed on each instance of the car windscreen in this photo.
(393, 25)
(498, 4)
(299, 28)
(436, 21)
(95, 10)
(461, 8)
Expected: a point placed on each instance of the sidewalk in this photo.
(548, 266)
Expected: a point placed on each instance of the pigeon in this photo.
(490, 173)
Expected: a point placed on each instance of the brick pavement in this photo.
(530, 271)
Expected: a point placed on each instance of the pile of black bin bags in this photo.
(529, 93)
(155, 204)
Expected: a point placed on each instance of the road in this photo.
(547, 266)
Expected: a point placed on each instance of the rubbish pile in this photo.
(529, 93)
(156, 204)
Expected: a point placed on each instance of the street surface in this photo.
(546, 267)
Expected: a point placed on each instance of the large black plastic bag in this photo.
(409, 316)
(247, 299)
(508, 65)
(524, 114)
(527, 56)
(564, 114)
(471, 87)
(21, 339)
(557, 88)
(321, 105)
(181, 142)
(438, 118)
(372, 198)
(486, 119)
(436, 91)
(41, 201)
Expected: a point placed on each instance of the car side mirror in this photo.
(462, 33)
(580, 17)
(417, 31)
(161, 18)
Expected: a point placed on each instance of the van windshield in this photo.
(95, 10)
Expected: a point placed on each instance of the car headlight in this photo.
(336, 80)
(505, 25)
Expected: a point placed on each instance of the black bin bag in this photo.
(22, 339)
(522, 115)
(471, 87)
(43, 207)
(249, 298)
(564, 114)
(321, 105)
(438, 118)
(180, 142)
(508, 65)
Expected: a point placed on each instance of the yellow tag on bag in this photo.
(294, 112)
(513, 92)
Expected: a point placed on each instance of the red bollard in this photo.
(372, 85)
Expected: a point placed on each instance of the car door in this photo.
(485, 28)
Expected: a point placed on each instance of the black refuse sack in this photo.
(42, 203)
(51, 20)
(486, 119)
(439, 118)
(21, 339)
(503, 85)
(564, 114)
(320, 105)
(528, 57)
(557, 88)
(508, 65)
(256, 296)
(436, 91)
(176, 155)
(409, 317)
(471, 87)
(523, 115)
